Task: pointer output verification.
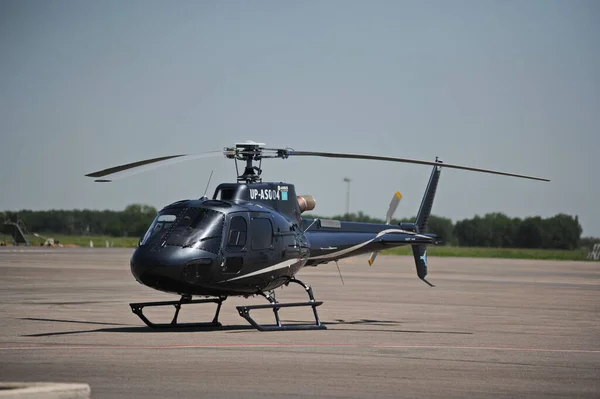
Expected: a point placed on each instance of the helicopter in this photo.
(250, 238)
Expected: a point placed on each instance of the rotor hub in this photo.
(250, 152)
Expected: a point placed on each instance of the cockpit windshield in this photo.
(198, 228)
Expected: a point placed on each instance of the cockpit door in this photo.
(237, 243)
(262, 239)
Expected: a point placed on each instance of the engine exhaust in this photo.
(306, 202)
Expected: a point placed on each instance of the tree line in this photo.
(131, 222)
(498, 230)
(491, 230)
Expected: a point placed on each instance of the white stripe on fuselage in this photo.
(357, 246)
(281, 265)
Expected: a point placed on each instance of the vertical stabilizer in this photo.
(420, 250)
(428, 197)
(420, 254)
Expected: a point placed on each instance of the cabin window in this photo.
(261, 233)
(238, 229)
(225, 194)
(160, 226)
(197, 228)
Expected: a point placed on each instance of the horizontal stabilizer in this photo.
(402, 238)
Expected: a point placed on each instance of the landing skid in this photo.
(137, 308)
(245, 312)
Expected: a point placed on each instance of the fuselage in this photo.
(216, 247)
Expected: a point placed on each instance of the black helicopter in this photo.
(250, 237)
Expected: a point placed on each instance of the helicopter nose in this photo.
(172, 269)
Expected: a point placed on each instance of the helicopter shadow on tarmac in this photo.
(123, 328)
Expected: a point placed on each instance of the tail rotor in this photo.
(388, 219)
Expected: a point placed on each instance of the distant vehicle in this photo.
(250, 237)
(48, 242)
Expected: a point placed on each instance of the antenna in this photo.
(339, 271)
(206, 189)
(310, 225)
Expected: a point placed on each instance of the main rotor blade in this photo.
(406, 160)
(148, 164)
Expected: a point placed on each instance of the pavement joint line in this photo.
(313, 345)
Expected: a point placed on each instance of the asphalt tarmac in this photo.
(490, 328)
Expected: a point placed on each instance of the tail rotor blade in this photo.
(388, 218)
(393, 206)
(372, 258)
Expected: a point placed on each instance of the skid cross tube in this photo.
(244, 311)
(137, 308)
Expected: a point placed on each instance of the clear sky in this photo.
(510, 85)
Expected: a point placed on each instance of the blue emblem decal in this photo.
(284, 195)
(424, 257)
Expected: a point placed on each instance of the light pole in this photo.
(347, 180)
